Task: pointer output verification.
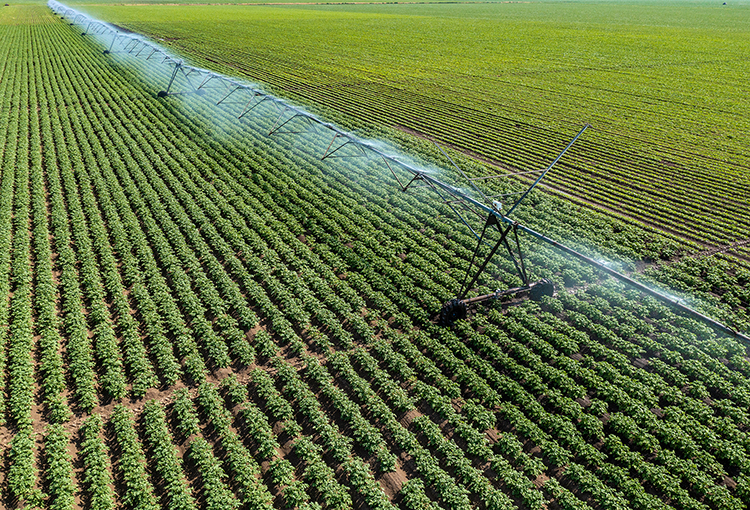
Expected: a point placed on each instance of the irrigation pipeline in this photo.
(566, 249)
(643, 288)
(137, 46)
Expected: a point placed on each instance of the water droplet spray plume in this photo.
(246, 106)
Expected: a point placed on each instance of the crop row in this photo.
(607, 163)
(172, 245)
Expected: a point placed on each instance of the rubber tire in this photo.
(452, 311)
(543, 288)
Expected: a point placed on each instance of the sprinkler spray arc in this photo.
(489, 208)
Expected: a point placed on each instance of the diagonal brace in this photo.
(491, 221)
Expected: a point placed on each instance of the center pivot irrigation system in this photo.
(482, 213)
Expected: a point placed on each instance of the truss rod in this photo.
(549, 168)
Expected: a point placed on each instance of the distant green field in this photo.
(663, 84)
(81, 3)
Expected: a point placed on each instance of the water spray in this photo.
(498, 229)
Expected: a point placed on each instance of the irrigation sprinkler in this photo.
(286, 118)
(165, 92)
(470, 203)
(498, 230)
(456, 308)
(131, 45)
(112, 44)
(253, 103)
(490, 208)
(188, 74)
(330, 154)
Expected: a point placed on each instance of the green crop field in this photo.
(663, 84)
(197, 315)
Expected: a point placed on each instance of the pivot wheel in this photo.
(542, 288)
(453, 310)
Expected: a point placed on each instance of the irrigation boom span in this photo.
(199, 81)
